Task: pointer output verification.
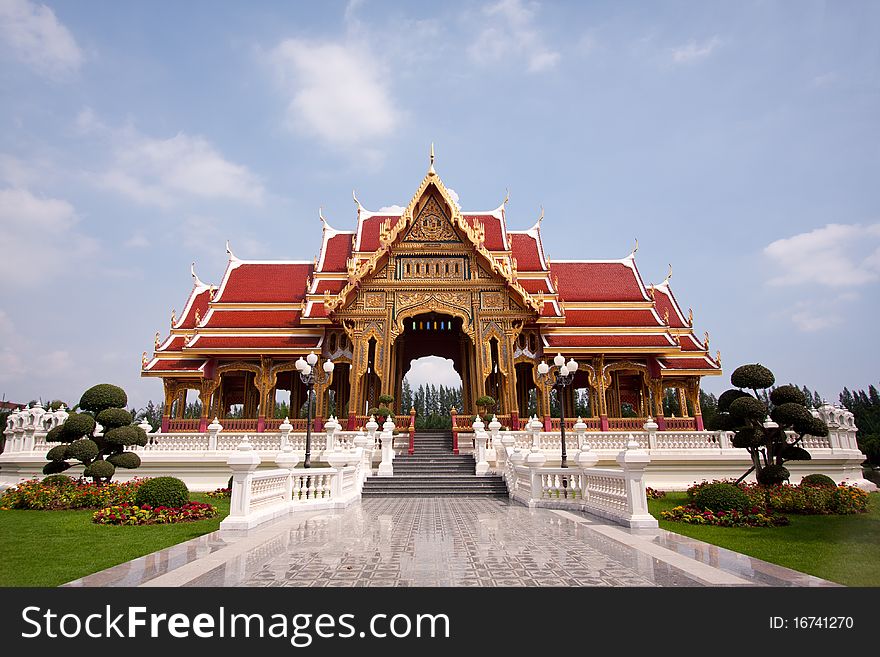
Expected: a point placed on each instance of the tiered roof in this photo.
(281, 307)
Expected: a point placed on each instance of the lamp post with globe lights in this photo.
(309, 375)
(563, 377)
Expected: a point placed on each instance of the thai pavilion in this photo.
(430, 280)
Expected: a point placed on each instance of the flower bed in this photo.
(129, 514)
(753, 517)
(803, 499)
(75, 494)
(653, 494)
(220, 493)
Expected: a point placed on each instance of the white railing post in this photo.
(386, 467)
(213, 429)
(330, 427)
(723, 439)
(633, 461)
(495, 440)
(651, 427)
(363, 443)
(480, 437)
(535, 460)
(534, 428)
(243, 462)
(372, 427)
(285, 428)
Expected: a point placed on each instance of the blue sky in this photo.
(737, 141)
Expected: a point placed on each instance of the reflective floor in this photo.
(445, 542)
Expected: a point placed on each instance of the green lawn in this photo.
(843, 549)
(48, 548)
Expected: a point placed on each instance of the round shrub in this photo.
(772, 475)
(748, 408)
(54, 435)
(82, 450)
(721, 422)
(748, 437)
(128, 460)
(99, 470)
(385, 399)
(111, 418)
(101, 396)
(380, 413)
(129, 435)
(728, 396)
(752, 376)
(787, 395)
(57, 480)
(789, 413)
(486, 400)
(721, 497)
(57, 453)
(162, 491)
(76, 426)
(812, 427)
(818, 480)
(54, 467)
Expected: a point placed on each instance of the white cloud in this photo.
(836, 255)
(21, 357)
(433, 370)
(37, 38)
(38, 238)
(454, 196)
(693, 51)
(811, 317)
(338, 92)
(164, 171)
(16, 172)
(510, 33)
(137, 241)
(392, 209)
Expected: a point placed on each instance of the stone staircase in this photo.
(434, 471)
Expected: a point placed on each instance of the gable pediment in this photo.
(432, 224)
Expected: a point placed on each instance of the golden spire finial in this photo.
(706, 339)
(144, 360)
(198, 317)
(157, 339)
(690, 316)
(666, 317)
(718, 357)
(173, 317)
(431, 171)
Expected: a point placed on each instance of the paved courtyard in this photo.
(445, 542)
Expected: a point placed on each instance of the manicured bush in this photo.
(748, 437)
(385, 399)
(753, 377)
(162, 491)
(486, 401)
(76, 426)
(791, 414)
(103, 396)
(54, 435)
(54, 467)
(83, 450)
(748, 408)
(721, 497)
(380, 412)
(57, 453)
(110, 418)
(727, 397)
(57, 480)
(128, 435)
(820, 480)
(128, 460)
(100, 470)
(773, 474)
(787, 395)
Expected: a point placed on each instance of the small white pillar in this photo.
(536, 460)
(480, 438)
(330, 427)
(633, 461)
(534, 428)
(285, 428)
(372, 426)
(213, 429)
(651, 427)
(386, 467)
(243, 462)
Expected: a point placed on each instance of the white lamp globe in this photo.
(543, 368)
(563, 371)
(307, 369)
(572, 365)
(300, 363)
(311, 359)
(559, 360)
(328, 366)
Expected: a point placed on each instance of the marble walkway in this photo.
(445, 542)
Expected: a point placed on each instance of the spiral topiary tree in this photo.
(101, 452)
(766, 438)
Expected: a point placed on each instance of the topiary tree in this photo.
(162, 491)
(486, 402)
(766, 438)
(100, 452)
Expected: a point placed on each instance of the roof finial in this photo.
(230, 253)
(192, 270)
(506, 197)
(635, 248)
(706, 340)
(321, 214)
(541, 218)
(668, 275)
(358, 203)
(431, 171)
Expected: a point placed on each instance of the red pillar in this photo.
(514, 420)
(166, 420)
(352, 421)
(319, 424)
(453, 413)
(698, 419)
(412, 430)
(548, 424)
(203, 425)
(603, 423)
(261, 423)
(661, 423)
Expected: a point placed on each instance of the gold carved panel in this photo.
(374, 300)
(492, 300)
(432, 225)
(433, 268)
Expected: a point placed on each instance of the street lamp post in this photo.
(309, 375)
(564, 375)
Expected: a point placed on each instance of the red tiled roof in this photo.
(200, 304)
(333, 285)
(665, 303)
(368, 231)
(494, 240)
(611, 317)
(525, 250)
(336, 253)
(690, 343)
(688, 364)
(317, 310)
(180, 365)
(534, 285)
(221, 318)
(266, 283)
(256, 342)
(658, 340)
(597, 281)
(176, 344)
